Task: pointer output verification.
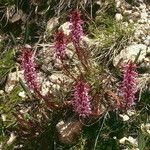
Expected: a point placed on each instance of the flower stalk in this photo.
(81, 101)
(129, 84)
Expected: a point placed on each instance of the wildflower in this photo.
(76, 27)
(60, 45)
(129, 84)
(28, 65)
(81, 101)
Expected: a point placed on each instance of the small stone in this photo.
(122, 141)
(131, 112)
(127, 12)
(136, 14)
(118, 3)
(134, 9)
(142, 6)
(51, 24)
(65, 27)
(148, 50)
(22, 94)
(118, 17)
(147, 42)
(143, 21)
(131, 21)
(146, 60)
(3, 117)
(124, 117)
(57, 64)
(144, 15)
(1, 92)
(128, 6)
(11, 139)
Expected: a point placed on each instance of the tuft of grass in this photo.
(111, 36)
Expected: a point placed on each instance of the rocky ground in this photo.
(116, 32)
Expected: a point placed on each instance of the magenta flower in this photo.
(81, 101)
(76, 27)
(60, 44)
(129, 84)
(28, 65)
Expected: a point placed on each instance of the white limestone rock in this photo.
(118, 17)
(130, 53)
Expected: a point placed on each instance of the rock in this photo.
(56, 78)
(69, 131)
(57, 64)
(51, 24)
(131, 21)
(127, 12)
(144, 15)
(148, 50)
(90, 42)
(1, 92)
(148, 38)
(128, 6)
(46, 87)
(3, 116)
(65, 27)
(13, 79)
(136, 14)
(22, 94)
(118, 3)
(118, 17)
(11, 138)
(130, 53)
(146, 42)
(142, 6)
(135, 9)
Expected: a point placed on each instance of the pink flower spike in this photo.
(76, 27)
(81, 101)
(60, 45)
(28, 65)
(129, 84)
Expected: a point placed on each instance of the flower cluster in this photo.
(129, 84)
(81, 101)
(76, 27)
(28, 65)
(60, 44)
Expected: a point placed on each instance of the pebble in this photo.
(127, 12)
(142, 6)
(1, 92)
(136, 14)
(118, 17)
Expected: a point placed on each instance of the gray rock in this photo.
(130, 53)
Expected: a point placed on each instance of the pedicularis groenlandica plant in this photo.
(90, 91)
